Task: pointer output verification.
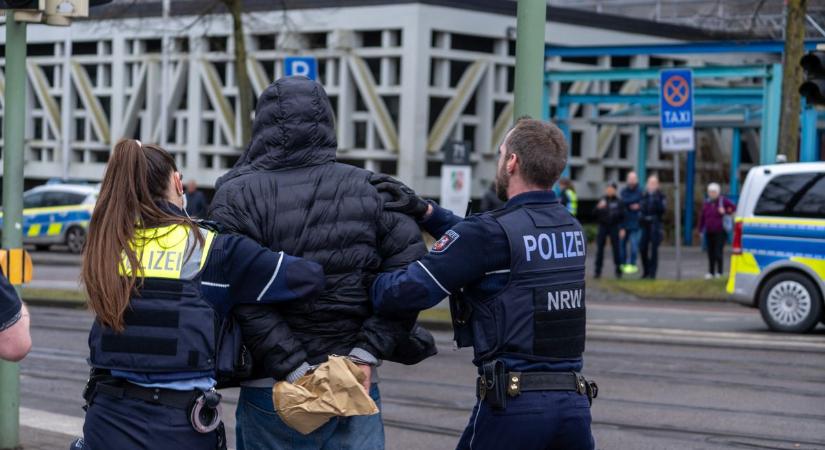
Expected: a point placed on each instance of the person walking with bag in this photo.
(715, 223)
(161, 287)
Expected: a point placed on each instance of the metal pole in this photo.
(677, 209)
(690, 171)
(808, 151)
(735, 158)
(66, 106)
(15, 111)
(641, 155)
(530, 57)
(164, 76)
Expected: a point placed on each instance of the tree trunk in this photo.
(244, 103)
(791, 79)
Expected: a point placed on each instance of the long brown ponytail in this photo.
(136, 182)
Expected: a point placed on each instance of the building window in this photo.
(575, 144)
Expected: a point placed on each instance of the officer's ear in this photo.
(177, 179)
(511, 163)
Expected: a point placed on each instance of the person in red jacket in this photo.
(712, 223)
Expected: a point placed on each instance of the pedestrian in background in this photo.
(609, 212)
(631, 196)
(568, 196)
(651, 214)
(714, 223)
(196, 204)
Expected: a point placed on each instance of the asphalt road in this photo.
(672, 375)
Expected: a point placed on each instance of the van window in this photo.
(794, 195)
(812, 203)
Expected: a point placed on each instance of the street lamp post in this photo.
(14, 124)
(529, 85)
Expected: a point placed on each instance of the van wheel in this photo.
(791, 303)
(76, 239)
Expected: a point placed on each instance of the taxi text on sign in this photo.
(301, 65)
(676, 109)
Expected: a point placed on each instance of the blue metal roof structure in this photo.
(755, 105)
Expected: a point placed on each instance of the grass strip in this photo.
(713, 290)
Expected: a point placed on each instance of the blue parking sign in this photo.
(676, 109)
(301, 65)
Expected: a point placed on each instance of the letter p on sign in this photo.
(306, 66)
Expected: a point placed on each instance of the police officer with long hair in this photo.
(161, 286)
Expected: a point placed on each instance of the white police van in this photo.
(778, 262)
(57, 214)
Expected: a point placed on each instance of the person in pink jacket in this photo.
(715, 218)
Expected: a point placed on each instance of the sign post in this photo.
(456, 177)
(677, 134)
(301, 65)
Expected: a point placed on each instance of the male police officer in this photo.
(516, 281)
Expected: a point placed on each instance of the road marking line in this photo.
(712, 338)
(53, 422)
(715, 334)
(674, 309)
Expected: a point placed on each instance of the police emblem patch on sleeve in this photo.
(445, 242)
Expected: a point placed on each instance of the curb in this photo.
(55, 303)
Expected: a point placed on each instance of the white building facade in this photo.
(404, 77)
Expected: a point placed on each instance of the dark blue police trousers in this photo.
(543, 420)
(130, 424)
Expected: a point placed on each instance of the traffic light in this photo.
(19, 4)
(813, 89)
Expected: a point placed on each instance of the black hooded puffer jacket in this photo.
(288, 193)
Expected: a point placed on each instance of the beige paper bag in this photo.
(334, 389)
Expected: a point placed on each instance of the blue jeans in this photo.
(260, 428)
(631, 237)
(542, 420)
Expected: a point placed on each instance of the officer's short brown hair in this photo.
(541, 150)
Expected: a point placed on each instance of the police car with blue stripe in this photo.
(57, 214)
(778, 262)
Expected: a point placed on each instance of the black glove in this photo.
(403, 199)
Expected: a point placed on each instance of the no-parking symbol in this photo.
(676, 109)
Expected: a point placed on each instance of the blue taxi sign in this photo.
(676, 109)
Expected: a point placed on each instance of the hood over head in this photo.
(293, 127)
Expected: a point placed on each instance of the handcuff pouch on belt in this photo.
(460, 311)
(493, 384)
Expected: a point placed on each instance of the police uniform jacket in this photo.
(175, 323)
(531, 322)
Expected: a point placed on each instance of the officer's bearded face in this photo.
(502, 177)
